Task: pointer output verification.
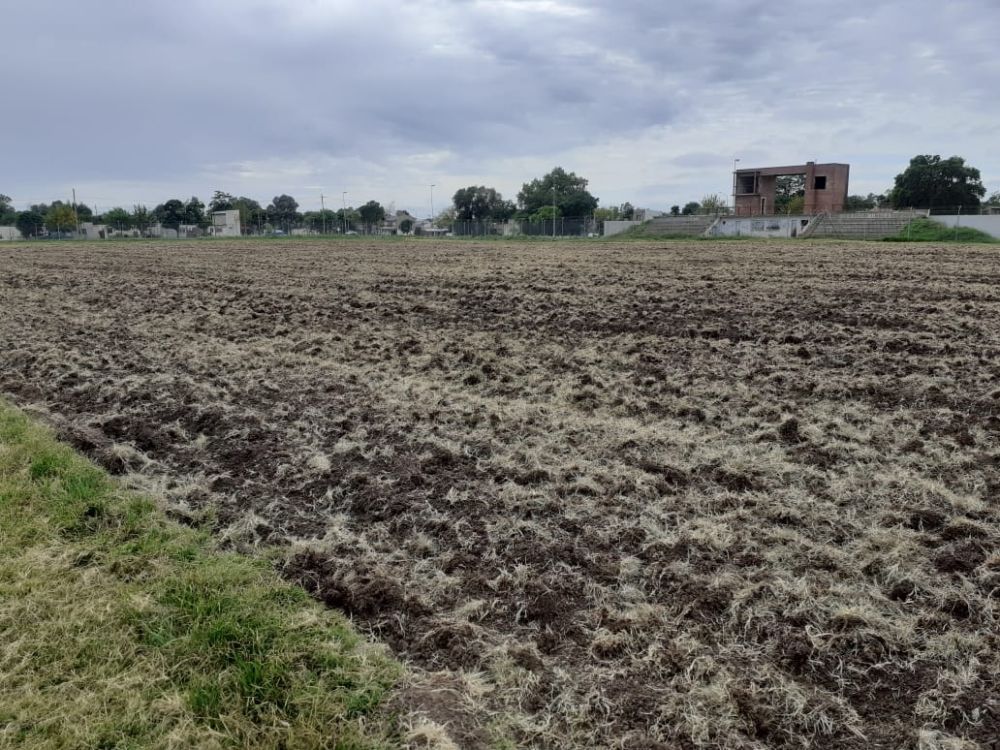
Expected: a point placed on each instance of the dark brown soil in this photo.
(646, 495)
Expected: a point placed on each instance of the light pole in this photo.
(432, 204)
(343, 199)
(735, 162)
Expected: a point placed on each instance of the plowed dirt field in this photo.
(675, 495)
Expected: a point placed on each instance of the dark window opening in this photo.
(746, 184)
(820, 183)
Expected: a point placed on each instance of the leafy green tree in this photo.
(626, 211)
(60, 218)
(222, 202)
(371, 213)
(29, 223)
(283, 212)
(252, 214)
(714, 204)
(787, 187)
(83, 212)
(7, 213)
(320, 221)
(141, 218)
(691, 208)
(480, 203)
(859, 203)
(194, 213)
(405, 226)
(565, 189)
(933, 182)
(994, 200)
(446, 218)
(170, 214)
(118, 218)
(545, 213)
(675, 210)
(348, 220)
(796, 205)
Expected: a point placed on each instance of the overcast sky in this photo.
(136, 102)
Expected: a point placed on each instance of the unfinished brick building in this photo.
(825, 186)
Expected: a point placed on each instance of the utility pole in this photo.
(76, 218)
(432, 205)
(322, 211)
(343, 199)
(554, 209)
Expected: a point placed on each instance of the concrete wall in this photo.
(765, 226)
(7, 234)
(617, 227)
(986, 223)
(226, 224)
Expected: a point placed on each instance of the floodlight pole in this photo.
(735, 162)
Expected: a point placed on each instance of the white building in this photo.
(90, 231)
(225, 224)
(9, 234)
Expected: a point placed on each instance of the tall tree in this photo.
(786, 189)
(564, 189)
(372, 213)
(60, 218)
(7, 213)
(29, 223)
(283, 212)
(194, 213)
(715, 204)
(118, 218)
(221, 202)
(933, 182)
(324, 220)
(480, 203)
(348, 220)
(141, 218)
(170, 214)
(252, 214)
(691, 208)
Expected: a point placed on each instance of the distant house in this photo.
(9, 234)
(225, 224)
(392, 224)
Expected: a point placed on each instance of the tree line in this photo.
(928, 182)
(282, 214)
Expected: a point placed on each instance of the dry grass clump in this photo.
(637, 496)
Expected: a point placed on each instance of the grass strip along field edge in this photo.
(120, 628)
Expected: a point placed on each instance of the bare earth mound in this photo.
(653, 495)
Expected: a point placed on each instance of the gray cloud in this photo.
(137, 101)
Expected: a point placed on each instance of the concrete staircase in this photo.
(680, 226)
(867, 225)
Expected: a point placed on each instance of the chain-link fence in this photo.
(560, 227)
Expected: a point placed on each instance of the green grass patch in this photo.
(928, 230)
(120, 629)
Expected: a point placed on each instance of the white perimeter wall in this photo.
(617, 227)
(989, 223)
(9, 233)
